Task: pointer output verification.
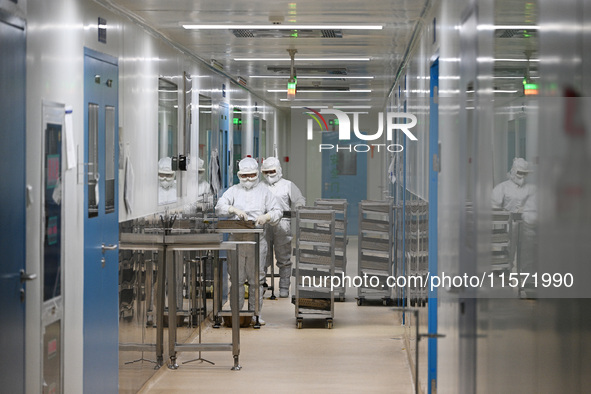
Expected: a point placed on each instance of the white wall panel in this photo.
(58, 31)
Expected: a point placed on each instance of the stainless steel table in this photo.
(166, 245)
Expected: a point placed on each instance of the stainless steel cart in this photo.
(315, 265)
(417, 250)
(341, 239)
(376, 250)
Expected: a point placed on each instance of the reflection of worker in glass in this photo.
(519, 197)
(204, 187)
(279, 236)
(166, 181)
(513, 194)
(249, 200)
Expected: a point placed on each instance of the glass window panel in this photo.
(93, 174)
(109, 159)
(346, 163)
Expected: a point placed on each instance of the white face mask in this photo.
(166, 182)
(248, 183)
(519, 180)
(272, 178)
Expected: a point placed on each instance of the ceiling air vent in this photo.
(515, 33)
(332, 34)
(324, 88)
(281, 33)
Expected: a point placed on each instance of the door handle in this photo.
(108, 247)
(27, 277)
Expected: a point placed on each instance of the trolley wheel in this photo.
(412, 302)
(342, 298)
(329, 323)
(359, 301)
(299, 323)
(423, 302)
(387, 301)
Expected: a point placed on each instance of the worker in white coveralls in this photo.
(517, 196)
(249, 200)
(279, 237)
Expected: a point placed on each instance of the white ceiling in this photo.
(385, 48)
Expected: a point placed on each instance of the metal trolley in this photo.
(341, 239)
(417, 250)
(315, 264)
(376, 250)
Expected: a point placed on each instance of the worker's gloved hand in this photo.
(262, 219)
(238, 212)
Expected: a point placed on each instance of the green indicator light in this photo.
(336, 122)
(235, 120)
(530, 86)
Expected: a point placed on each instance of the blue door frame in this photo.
(12, 209)
(433, 188)
(101, 265)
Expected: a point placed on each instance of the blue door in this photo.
(344, 175)
(256, 133)
(101, 233)
(433, 188)
(223, 144)
(12, 209)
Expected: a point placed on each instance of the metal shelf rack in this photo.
(417, 251)
(315, 261)
(376, 250)
(341, 239)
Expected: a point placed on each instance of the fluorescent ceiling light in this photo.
(314, 77)
(303, 59)
(280, 27)
(321, 91)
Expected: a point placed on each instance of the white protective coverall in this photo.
(249, 200)
(513, 194)
(290, 197)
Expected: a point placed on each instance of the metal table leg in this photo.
(171, 279)
(160, 294)
(257, 292)
(235, 320)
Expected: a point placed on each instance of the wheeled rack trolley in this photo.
(417, 250)
(376, 250)
(341, 240)
(314, 265)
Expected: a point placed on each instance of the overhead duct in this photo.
(282, 33)
(310, 70)
(324, 88)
